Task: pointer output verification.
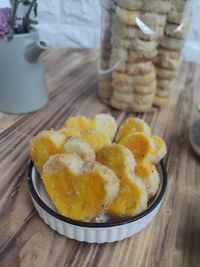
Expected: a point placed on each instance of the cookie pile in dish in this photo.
(141, 53)
(93, 171)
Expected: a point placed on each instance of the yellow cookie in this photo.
(145, 89)
(131, 125)
(160, 148)
(150, 177)
(141, 145)
(122, 97)
(44, 145)
(69, 132)
(80, 123)
(118, 104)
(96, 139)
(79, 190)
(132, 196)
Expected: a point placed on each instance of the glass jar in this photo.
(141, 51)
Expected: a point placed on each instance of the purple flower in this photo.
(4, 17)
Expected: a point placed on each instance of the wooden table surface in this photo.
(172, 239)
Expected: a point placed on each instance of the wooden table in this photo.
(172, 239)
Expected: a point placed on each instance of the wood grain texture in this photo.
(172, 239)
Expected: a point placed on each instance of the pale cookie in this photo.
(122, 97)
(144, 79)
(161, 7)
(176, 31)
(169, 53)
(143, 99)
(145, 89)
(142, 103)
(123, 89)
(150, 6)
(134, 56)
(166, 62)
(121, 78)
(140, 68)
(132, 125)
(176, 17)
(141, 108)
(179, 5)
(160, 100)
(141, 46)
(107, 124)
(118, 105)
(133, 18)
(144, 46)
(171, 43)
(165, 73)
(165, 84)
(130, 4)
(134, 32)
(78, 146)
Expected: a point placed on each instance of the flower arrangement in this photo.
(11, 24)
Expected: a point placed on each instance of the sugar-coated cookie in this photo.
(176, 31)
(132, 196)
(133, 18)
(118, 105)
(131, 125)
(165, 84)
(165, 73)
(135, 32)
(123, 89)
(144, 79)
(171, 43)
(145, 89)
(142, 56)
(122, 97)
(121, 78)
(164, 61)
(140, 68)
(146, 5)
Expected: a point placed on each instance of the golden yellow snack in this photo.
(141, 145)
(101, 122)
(132, 125)
(80, 123)
(132, 196)
(149, 175)
(44, 145)
(96, 139)
(160, 147)
(79, 190)
(107, 124)
(78, 146)
(69, 132)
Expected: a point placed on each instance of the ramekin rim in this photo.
(64, 219)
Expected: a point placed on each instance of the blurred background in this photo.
(76, 23)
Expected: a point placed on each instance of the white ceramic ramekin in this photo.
(92, 232)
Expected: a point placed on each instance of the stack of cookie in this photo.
(169, 51)
(145, 39)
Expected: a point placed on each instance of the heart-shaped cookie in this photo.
(132, 196)
(79, 190)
